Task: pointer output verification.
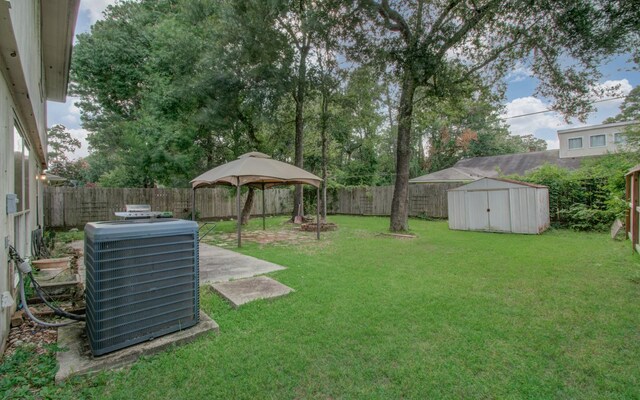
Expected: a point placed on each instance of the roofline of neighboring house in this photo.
(592, 127)
(510, 154)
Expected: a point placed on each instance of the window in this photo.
(620, 138)
(21, 172)
(575, 143)
(597, 140)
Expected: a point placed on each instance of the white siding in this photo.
(25, 17)
(543, 218)
(523, 210)
(16, 228)
(6, 223)
(477, 204)
(499, 210)
(457, 201)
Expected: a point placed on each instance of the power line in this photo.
(547, 110)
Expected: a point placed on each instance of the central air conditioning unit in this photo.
(142, 281)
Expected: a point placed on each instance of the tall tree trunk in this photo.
(248, 206)
(323, 136)
(389, 104)
(400, 202)
(299, 149)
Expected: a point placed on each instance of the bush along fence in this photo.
(74, 207)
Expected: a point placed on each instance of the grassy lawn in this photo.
(446, 315)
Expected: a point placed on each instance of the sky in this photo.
(519, 96)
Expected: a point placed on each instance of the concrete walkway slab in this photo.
(246, 290)
(77, 358)
(216, 264)
(222, 265)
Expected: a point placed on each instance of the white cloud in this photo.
(553, 144)
(81, 135)
(612, 88)
(71, 115)
(531, 124)
(519, 73)
(72, 109)
(94, 8)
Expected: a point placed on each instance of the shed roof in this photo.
(496, 183)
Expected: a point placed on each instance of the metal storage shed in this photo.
(499, 205)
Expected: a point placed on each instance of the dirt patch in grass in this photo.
(286, 237)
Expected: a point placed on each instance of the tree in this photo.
(171, 88)
(629, 109)
(60, 143)
(440, 45)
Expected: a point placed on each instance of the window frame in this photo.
(575, 138)
(591, 145)
(620, 138)
(24, 205)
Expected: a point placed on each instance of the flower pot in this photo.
(47, 263)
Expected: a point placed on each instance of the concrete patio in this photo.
(216, 264)
(222, 265)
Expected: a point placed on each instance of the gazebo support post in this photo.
(193, 205)
(263, 211)
(318, 212)
(239, 213)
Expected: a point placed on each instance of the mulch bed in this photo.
(29, 333)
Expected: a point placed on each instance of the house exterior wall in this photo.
(15, 228)
(586, 134)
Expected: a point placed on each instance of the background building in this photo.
(594, 140)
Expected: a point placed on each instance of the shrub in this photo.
(589, 198)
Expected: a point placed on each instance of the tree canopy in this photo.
(368, 92)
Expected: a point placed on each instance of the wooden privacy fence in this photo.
(73, 207)
(428, 199)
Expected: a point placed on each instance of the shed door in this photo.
(499, 215)
(477, 206)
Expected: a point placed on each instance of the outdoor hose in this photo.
(57, 311)
(25, 268)
(25, 307)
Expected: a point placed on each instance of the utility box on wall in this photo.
(499, 205)
(142, 280)
(12, 203)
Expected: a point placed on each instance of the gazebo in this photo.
(260, 171)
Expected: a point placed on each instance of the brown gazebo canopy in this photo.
(257, 170)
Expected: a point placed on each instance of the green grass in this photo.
(449, 314)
